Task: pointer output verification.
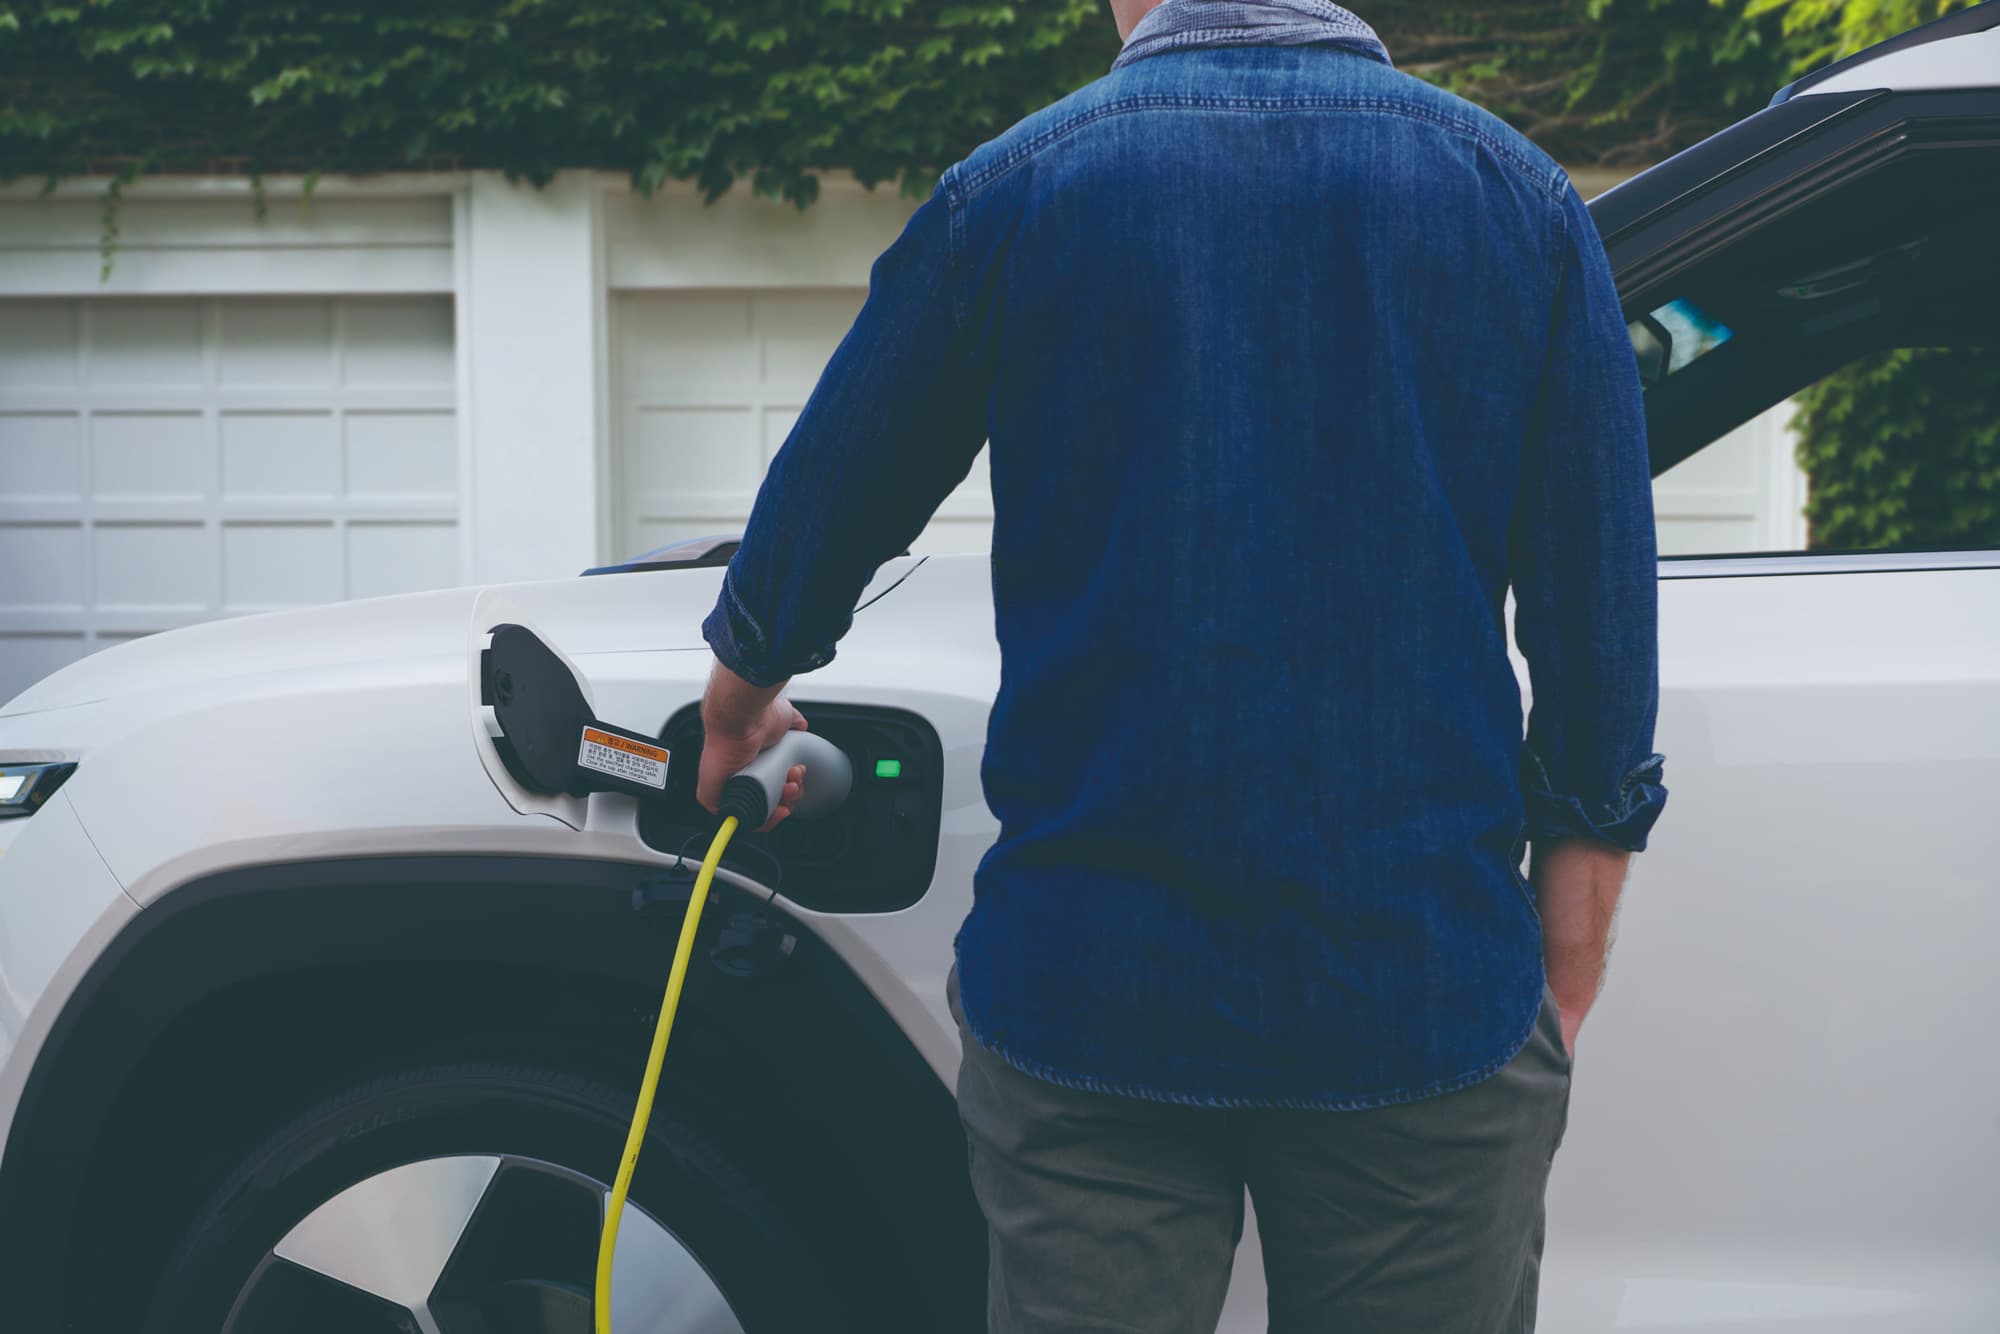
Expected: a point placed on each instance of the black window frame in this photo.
(1666, 223)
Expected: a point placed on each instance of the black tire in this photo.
(727, 1220)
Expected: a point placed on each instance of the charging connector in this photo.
(755, 789)
(743, 800)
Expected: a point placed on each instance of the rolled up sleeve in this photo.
(1625, 819)
(742, 646)
(894, 423)
(1585, 572)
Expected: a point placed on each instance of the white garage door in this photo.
(166, 461)
(708, 385)
(1743, 493)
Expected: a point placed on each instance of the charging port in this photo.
(876, 853)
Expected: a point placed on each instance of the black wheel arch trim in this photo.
(813, 1021)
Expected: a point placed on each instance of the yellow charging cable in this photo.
(614, 1208)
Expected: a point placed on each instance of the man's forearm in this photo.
(732, 706)
(1577, 883)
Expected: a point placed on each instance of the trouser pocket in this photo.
(1550, 1020)
(1424, 1215)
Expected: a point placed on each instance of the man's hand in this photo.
(1576, 887)
(739, 722)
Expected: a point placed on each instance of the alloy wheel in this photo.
(475, 1244)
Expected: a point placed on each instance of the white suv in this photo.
(311, 1019)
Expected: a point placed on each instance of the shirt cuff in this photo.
(1624, 821)
(741, 645)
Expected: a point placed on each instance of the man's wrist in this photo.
(1576, 993)
(1577, 885)
(731, 706)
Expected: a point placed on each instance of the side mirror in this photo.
(1653, 345)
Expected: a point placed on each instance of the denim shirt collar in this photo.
(1181, 25)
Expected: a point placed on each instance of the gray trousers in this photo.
(1108, 1213)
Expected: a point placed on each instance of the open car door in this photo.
(1787, 1113)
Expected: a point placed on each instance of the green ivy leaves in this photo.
(1830, 29)
(775, 91)
(1903, 450)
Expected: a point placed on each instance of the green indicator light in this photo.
(888, 768)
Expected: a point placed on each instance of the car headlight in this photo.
(24, 787)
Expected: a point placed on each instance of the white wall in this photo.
(531, 347)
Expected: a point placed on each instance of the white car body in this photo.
(1784, 1107)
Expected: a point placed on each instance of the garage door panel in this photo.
(688, 450)
(150, 455)
(26, 658)
(156, 566)
(1745, 492)
(166, 461)
(39, 344)
(398, 341)
(778, 423)
(41, 565)
(385, 558)
(800, 331)
(276, 342)
(267, 565)
(685, 340)
(41, 455)
(409, 455)
(709, 385)
(278, 454)
(129, 344)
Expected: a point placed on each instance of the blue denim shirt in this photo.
(1292, 366)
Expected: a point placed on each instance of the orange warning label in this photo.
(625, 744)
(621, 757)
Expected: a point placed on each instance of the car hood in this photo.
(653, 610)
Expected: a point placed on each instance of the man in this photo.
(1292, 366)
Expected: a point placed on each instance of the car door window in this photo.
(1896, 451)
(1831, 382)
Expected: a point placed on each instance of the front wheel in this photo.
(463, 1198)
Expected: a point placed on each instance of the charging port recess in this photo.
(876, 853)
